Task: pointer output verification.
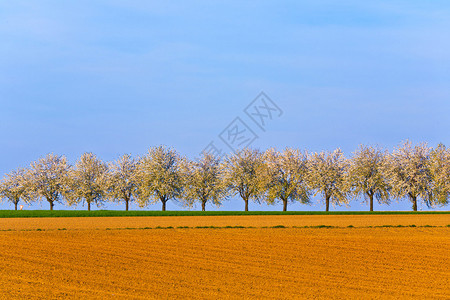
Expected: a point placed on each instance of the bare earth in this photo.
(252, 263)
(222, 221)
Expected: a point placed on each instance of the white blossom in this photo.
(87, 181)
(440, 173)
(121, 180)
(327, 172)
(365, 175)
(286, 176)
(47, 179)
(243, 174)
(408, 172)
(204, 181)
(160, 176)
(13, 187)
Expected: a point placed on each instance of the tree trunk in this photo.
(89, 206)
(203, 205)
(327, 201)
(414, 200)
(246, 205)
(51, 204)
(371, 202)
(163, 205)
(15, 205)
(284, 205)
(126, 204)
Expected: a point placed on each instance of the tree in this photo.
(47, 178)
(327, 173)
(204, 181)
(286, 176)
(13, 187)
(121, 180)
(365, 175)
(408, 172)
(243, 174)
(440, 174)
(88, 181)
(160, 176)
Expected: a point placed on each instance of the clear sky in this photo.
(115, 77)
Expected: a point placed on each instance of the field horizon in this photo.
(225, 221)
(157, 213)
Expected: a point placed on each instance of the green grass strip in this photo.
(153, 213)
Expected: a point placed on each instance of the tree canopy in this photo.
(413, 172)
(204, 181)
(243, 174)
(287, 176)
(365, 175)
(327, 173)
(159, 176)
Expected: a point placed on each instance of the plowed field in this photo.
(222, 221)
(255, 263)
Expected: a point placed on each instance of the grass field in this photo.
(153, 213)
(400, 256)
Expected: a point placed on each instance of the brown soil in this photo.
(250, 263)
(222, 221)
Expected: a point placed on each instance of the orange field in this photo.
(222, 221)
(86, 261)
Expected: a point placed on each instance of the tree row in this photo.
(412, 172)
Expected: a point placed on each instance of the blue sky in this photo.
(115, 77)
